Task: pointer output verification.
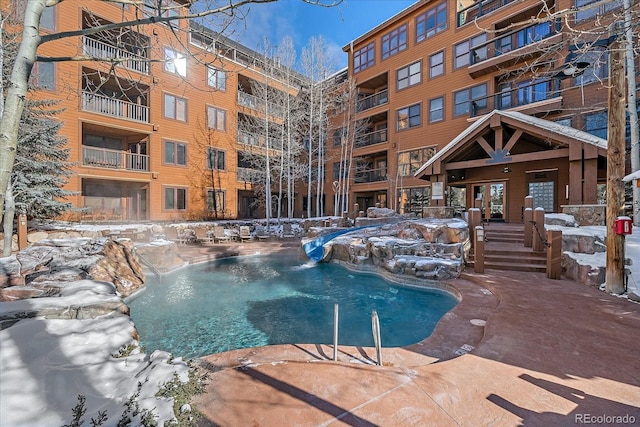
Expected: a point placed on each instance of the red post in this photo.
(528, 227)
(474, 221)
(22, 231)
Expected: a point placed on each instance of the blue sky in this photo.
(337, 25)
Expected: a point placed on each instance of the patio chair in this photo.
(262, 233)
(219, 234)
(203, 235)
(245, 233)
(171, 234)
(287, 231)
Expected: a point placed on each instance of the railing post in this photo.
(554, 254)
(539, 231)
(527, 217)
(478, 250)
(474, 221)
(335, 332)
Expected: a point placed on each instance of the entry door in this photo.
(491, 197)
(137, 209)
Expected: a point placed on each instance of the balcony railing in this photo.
(371, 138)
(522, 95)
(255, 103)
(370, 175)
(247, 138)
(114, 159)
(114, 107)
(478, 9)
(514, 40)
(249, 175)
(130, 60)
(374, 100)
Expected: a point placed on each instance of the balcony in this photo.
(371, 138)
(256, 140)
(372, 101)
(498, 53)
(249, 175)
(478, 9)
(533, 98)
(102, 104)
(114, 159)
(370, 175)
(255, 103)
(127, 59)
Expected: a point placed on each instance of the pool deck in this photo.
(552, 352)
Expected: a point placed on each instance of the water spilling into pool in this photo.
(278, 299)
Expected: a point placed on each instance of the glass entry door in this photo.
(491, 199)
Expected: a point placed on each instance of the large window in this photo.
(436, 110)
(596, 124)
(216, 78)
(474, 97)
(410, 161)
(431, 22)
(175, 153)
(175, 108)
(394, 41)
(364, 58)
(414, 200)
(461, 51)
(337, 137)
(216, 118)
(598, 68)
(175, 62)
(436, 64)
(162, 8)
(409, 75)
(175, 198)
(215, 200)
(215, 159)
(408, 117)
(602, 9)
(43, 75)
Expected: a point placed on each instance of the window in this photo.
(410, 75)
(216, 118)
(596, 124)
(162, 8)
(175, 153)
(598, 68)
(43, 76)
(431, 22)
(175, 62)
(215, 159)
(48, 19)
(175, 198)
(436, 110)
(394, 42)
(175, 108)
(436, 64)
(414, 199)
(216, 78)
(598, 10)
(364, 58)
(410, 161)
(464, 99)
(408, 117)
(461, 51)
(215, 200)
(337, 137)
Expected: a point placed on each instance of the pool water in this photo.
(278, 299)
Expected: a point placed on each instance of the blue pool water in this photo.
(277, 299)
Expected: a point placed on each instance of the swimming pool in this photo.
(253, 301)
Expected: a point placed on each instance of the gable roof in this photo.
(554, 128)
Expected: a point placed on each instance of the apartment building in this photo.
(480, 104)
(155, 135)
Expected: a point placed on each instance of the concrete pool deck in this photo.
(552, 352)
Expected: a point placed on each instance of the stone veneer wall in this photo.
(586, 214)
(438, 212)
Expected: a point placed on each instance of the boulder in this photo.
(164, 255)
(37, 236)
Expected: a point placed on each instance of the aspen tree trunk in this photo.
(632, 108)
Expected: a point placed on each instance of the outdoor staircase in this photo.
(505, 250)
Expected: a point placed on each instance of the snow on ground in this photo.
(46, 364)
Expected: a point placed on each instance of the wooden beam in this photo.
(484, 144)
(518, 158)
(514, 138)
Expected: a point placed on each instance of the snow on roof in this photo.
(632, 176)
(524, 118)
